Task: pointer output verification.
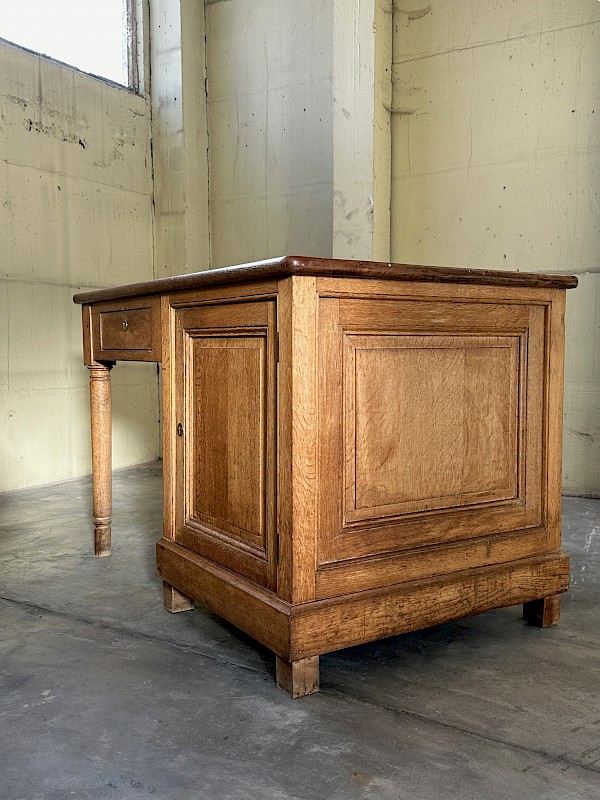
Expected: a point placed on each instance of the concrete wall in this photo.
(496, 164)
(75, 213)
(282, 128)
(179, 137)
(270, 71)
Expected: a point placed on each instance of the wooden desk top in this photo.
(286, 266)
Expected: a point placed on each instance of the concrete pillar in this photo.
(179, 137)
(362, 59)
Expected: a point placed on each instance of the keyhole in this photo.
(179, 429)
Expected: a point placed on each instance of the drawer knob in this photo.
(125, 324)
(179, 429)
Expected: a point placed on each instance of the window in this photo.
(94, 36)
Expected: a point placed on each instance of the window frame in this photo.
(134, 23)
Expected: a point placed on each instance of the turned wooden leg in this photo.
(298, 678)
(174, 601)
(542, 613)
(101, 455)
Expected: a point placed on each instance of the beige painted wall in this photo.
(496, 164)
(75, 213)
(270, 73)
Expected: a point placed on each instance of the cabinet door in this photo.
(225, 415)
(433, 424)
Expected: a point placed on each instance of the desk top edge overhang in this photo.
(287, 266)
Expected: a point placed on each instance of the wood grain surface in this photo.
(100, 407)
(224, 434)
(431, 420)
(286, 266)
(327, 625)
(297, 678)
(543, 612)
(126, 330)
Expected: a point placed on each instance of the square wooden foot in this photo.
(174, 601)
(542, 613)
(298, 678)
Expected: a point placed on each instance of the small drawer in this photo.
(126, 330)
(129, 332)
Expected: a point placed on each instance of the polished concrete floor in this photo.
(103, 694)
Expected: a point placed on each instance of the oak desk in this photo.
(351, 450)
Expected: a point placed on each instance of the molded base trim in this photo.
(302, 632)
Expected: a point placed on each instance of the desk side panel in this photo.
(438, 430)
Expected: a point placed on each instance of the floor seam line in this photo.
(423, 718)
(125, 631)
(324, 692)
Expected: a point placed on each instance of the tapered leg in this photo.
(542, 613)
(298, 678)
(101, 455)
(174, 601)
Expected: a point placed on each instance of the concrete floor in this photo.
(103, 694)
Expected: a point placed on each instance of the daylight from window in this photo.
(88, 34)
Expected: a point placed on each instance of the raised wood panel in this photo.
(225, 435)
(432, 423)
(228, 437)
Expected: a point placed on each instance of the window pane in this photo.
(88, 34)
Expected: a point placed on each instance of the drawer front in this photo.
(127, 332)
